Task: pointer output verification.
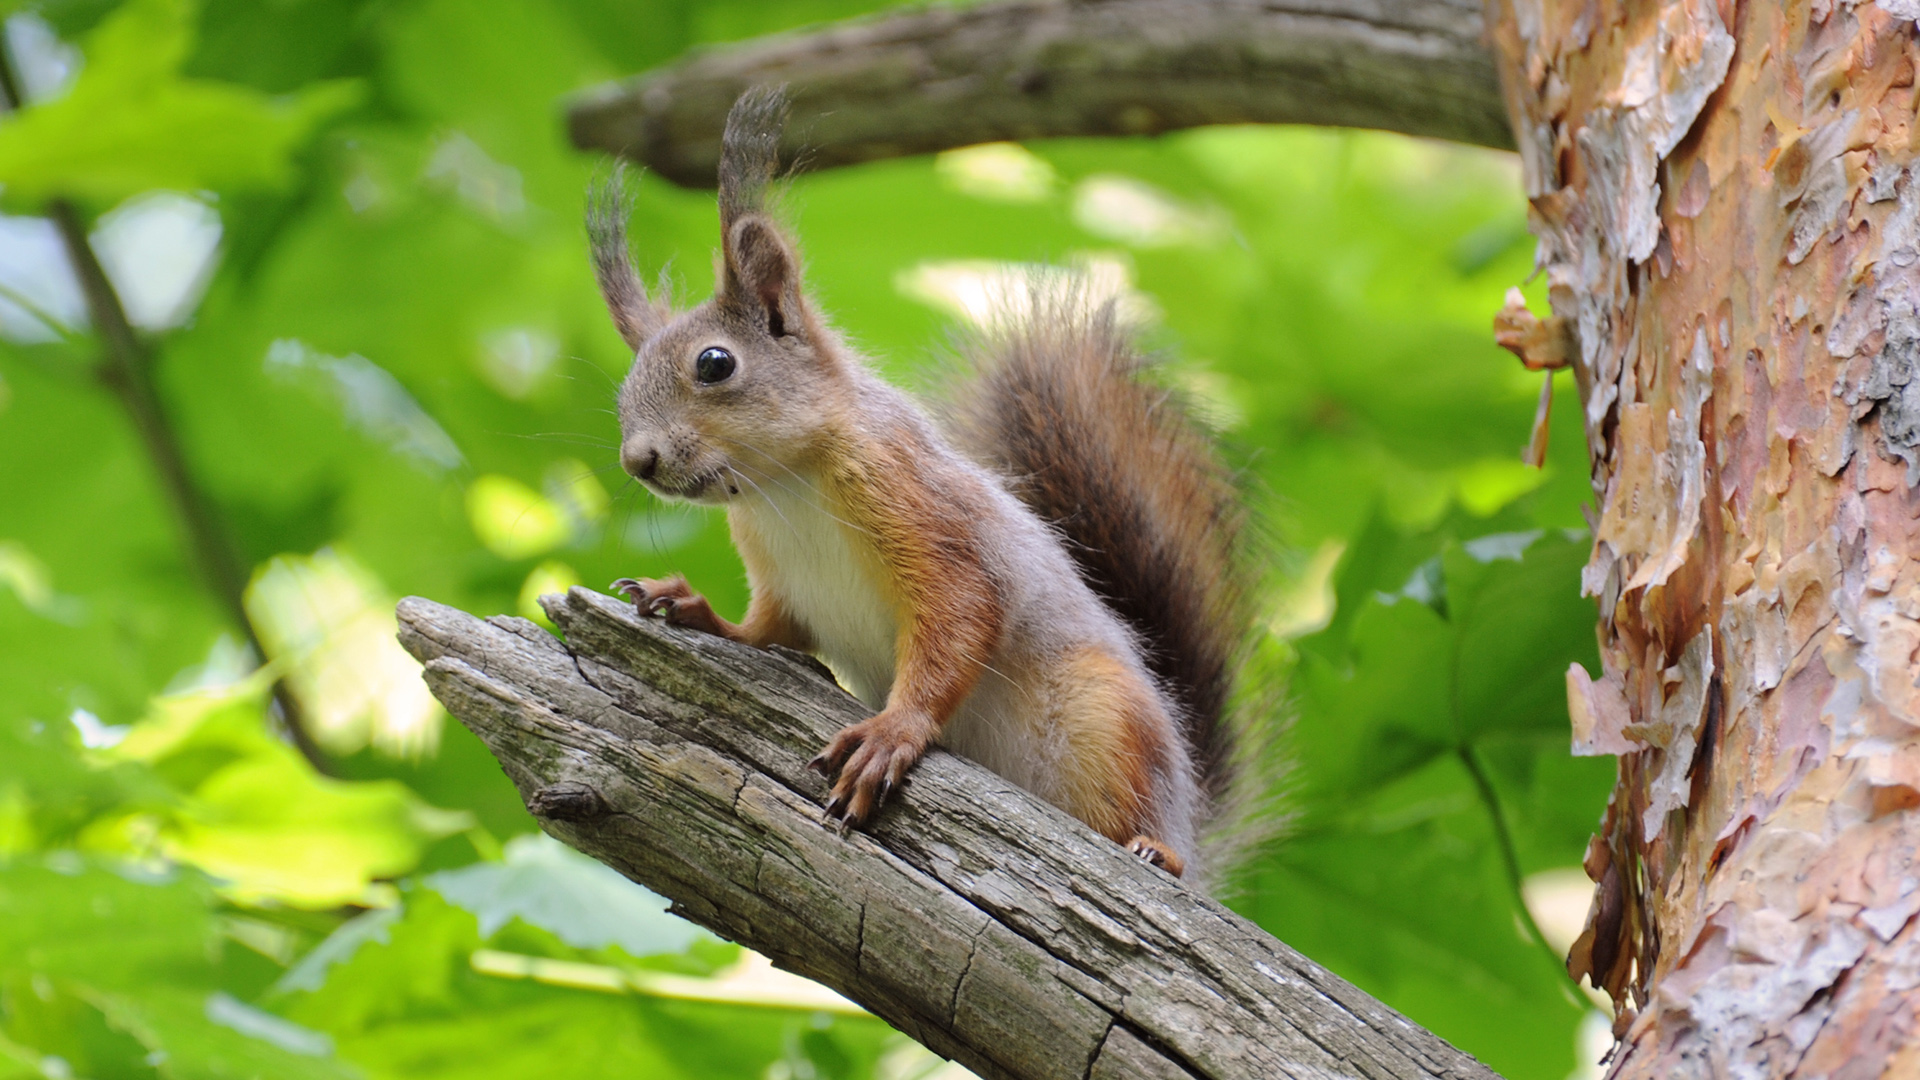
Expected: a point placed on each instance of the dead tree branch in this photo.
(940, 77)
(975, 918)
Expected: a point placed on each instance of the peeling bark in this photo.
(933, 78)
(1729, 218)
(989, 926)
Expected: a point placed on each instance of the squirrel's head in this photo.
(736, 391)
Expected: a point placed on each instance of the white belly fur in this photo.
(829, 581)
(830, 587)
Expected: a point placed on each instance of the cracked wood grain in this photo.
(939, 77)
(987, 925)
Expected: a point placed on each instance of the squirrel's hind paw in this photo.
(1157, 854)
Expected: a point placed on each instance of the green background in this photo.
(393, 184)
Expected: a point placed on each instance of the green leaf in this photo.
(407, 1002)
(338, 947)
(48, 796)
(1433, 766)
(582, 902)
(130, 123)
(116, 969)
(255, 815)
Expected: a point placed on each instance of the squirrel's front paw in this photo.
(673, 600)
(871, 758)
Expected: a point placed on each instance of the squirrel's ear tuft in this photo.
(750, 152)
(634, 313)
(762, 276)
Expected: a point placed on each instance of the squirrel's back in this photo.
(1055, 401)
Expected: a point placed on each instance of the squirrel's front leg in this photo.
(767, 623)
(943, 650)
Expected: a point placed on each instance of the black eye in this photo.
(714, 365)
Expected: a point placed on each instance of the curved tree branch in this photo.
(980, 921)
(940, 77)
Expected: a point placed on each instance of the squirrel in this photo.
(1048, 582)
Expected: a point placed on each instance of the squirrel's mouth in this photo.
(711, 488)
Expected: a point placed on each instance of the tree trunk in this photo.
(1731, 232)
(984, 923)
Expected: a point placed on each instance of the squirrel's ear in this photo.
(762, 276)
(636, 315)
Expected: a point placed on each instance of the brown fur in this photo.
(946, 603)
(1114, 720)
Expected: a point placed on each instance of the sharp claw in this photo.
(833, 807)
(886, 789)
(1147, 853)
(818, 764)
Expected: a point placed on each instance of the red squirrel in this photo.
(1049, 582)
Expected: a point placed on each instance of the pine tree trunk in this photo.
(1731, 234)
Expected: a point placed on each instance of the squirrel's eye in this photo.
(714, 365)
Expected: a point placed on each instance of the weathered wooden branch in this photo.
(975, 918)
(940, 77)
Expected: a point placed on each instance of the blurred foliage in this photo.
(395, 377)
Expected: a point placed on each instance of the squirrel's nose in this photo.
(639, 461)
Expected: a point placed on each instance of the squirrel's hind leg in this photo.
(1122, 747)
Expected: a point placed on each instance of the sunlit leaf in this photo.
(512, 519)
(255, 815)
(338, 947)
(415, 1002)
(130, 123)
(578, 900)
(1007, 172)
(329, 624)
(552, 576)
(126, 961)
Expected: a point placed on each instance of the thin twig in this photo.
(126, 369)
(1510, 858)
(10, 96)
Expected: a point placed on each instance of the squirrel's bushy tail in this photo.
(1055, 400)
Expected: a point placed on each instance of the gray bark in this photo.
(935, 78)
(980, 921)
